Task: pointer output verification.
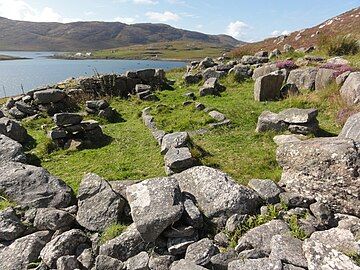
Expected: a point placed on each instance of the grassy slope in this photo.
(237, 150)
(177, 50)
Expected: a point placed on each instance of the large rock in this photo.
(257, 264)
(351, 129)
(216, 193)
(33, 186)
(52, 219)
(201, 252)
(267, 189)
(178, 160)
(191, 79)
(13, 130)
(326, 168)
(268, 87)
(324, 78)
(104, 262)
(99, 205)
(125, 246)
(155, 204)
(327, 250)
(350, 91)
(62, 245)
(298, 116)
(185, 265)
(269, 121)
(158, 262)
(211, 87)
(174, 140)
(264, 70)
(251, 60)
(10, 225)
(49, 96)
(303, 78)
(138, 262)
(67, 119)
(11, 150)
(288, 249)
(23, 251)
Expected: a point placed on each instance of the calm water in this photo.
(41, 70)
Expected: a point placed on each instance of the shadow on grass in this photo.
(324, 133)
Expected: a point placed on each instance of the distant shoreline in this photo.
(9, 58)
(66, 57)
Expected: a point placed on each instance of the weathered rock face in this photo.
(298, 116)
(326, 168)
(107, 263)
(267, 190)
(67, 119)
(163, 262)
(324, 78)
(201, 252)
(259, 238)
(33, 186)
(127, 245)
(62, 245)
(240, 72)
(264, 70)
(174, 140)
(52, 219)
(350, 91)
(11, 150)
(155, 204)
(13, 130)
(138, 262)
(185, 265)
(99, 205)
(303, 78)
(23, 251)
(10, 225)
(268, 87)
(216, 193)
(192, 79)
(49, 96)
(178, 160)
(256, 264)
(270, 121)
(351, 129)
(327, 249)
(251, 60)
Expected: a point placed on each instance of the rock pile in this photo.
(211, 87)
(297, 121)
(49, 101)
(74, 133)
(101, 108)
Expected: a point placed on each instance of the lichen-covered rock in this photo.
(33, 186)
(287, 249)
(178, 160)
(260, 237)
(303, 78)
(298, 116)
(255, 264)
(11, 150)
(350, 91)
(192, 215)
(220, 261)
(62, 245)
(126, 245)
(211, 87)
(155, 204)
(52, 219)
(324, 168)
(13, 130)
(351, 129)
(267, 190)
(138, 262)
(49, 96)
(216, 193)
(99, 205)
(23, 251)
(67, 263)
(324, 77)
(185, 265)
(174, 140)
(201, 252)
(10, 225)
(269, 121)
(107, 263)
(268, 87)
(67, 119)
(161, 262)
(264, 70)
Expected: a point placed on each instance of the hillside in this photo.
(22, 35)
(346, 23)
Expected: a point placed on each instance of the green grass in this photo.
(5, 203)
(134, 154)
(111, 232)
(177, 50)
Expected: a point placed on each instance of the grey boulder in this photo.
(256, 264)
(350, 91)
(99, 205)
(211, 87)
(62, 245)
(52, 219)
(174, 140)
(67, 119)
(155, 204)
(201, 252)
(267, 190)
(11, 150)
(13, 130)
(138, 262)
(324, 78)
(269, 121)
(268, 87)
(67, 263)
(185, 265)
(298, 116)
(216, 193)
(49, 96)
(10, 225)
(178, 160)
(351, 129)
(33, 186)
(104, 262)
(303, 78)
(161, 262)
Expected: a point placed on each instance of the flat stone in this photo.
(267, 190)
(178, 246)
(174, 140)
(201, 252)
(217, 116)
(49, 96)
(13, 130)
(269, 121)
(67, 119)
(179, 159)
(298, 116)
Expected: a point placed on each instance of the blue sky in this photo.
(243, 19)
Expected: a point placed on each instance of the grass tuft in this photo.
(111, 232)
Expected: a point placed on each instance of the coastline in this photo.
(64, 57)
(10, 58)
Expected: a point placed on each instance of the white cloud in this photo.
(199, 26)
(20, 10)
(278, 33)
(237, 29)
(146, 2)
(127, 20)
(162, 17)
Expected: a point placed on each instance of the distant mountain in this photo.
(78, 36)
(346, 23)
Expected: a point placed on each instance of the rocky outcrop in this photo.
(303, 78)
(350, 91)
(268, 87)
(327, 168)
